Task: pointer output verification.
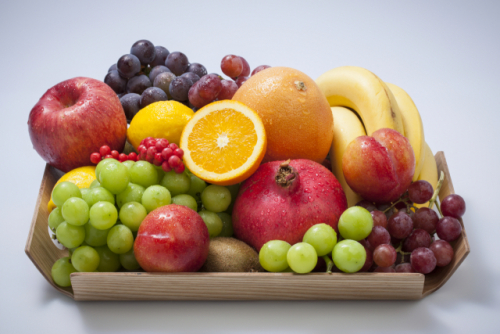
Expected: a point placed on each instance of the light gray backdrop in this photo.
(445, 54)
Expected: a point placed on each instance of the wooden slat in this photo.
(245, 286)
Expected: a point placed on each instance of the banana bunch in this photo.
(361, 104)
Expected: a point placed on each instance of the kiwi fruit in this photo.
(231, 255)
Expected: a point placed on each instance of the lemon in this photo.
(81, 176)
(164, 119)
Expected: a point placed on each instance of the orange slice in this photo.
(224, 142)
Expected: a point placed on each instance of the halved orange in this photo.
(224, 142)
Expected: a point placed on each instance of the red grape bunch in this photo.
(405, 238)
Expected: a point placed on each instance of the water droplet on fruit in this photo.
(282, 200)
(283, 213)
(262, 213)
(311, 199)
(266, 192)
(307, 190)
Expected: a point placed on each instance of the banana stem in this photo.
(329, 264)
(436, 193)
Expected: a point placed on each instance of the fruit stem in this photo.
(329, 264)
(436, 193)
(394, 204)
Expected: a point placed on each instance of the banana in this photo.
(346, 127)
(363, 92)
(429, 171)
(414, 129)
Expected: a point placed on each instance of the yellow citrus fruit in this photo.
(224, 142)
(81, 176)
(295, 112)
(164, 119)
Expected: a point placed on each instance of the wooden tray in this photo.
(233, 286)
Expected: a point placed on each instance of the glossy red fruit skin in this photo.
(265, 211)
(172, 238)
(74, 119)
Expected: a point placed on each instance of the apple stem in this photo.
(432, 201)
(329, 264)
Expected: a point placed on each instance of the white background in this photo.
(445, 54)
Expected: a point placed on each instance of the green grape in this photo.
(133, 193)
(273, 255)
(322, 237)
(114, 177)
(143, 173)
(128, 164)
(216, 198)
(109, 261)
(120, 239)
(63, 191)
(349, 256)
(70, 236)
(154, 197)
(213, 222)
(103, 215)
(55, 218)
(101, 165)
(99, 194)
(85, 259)
(61, 270)
(234, 189)
(75, 211)
(196, 187)
(227, 224)
(132, 214)
(95, 237)
(128, 260)
(355, 223)
(186, 200)
(161, 173)
(176, 183)
(84, 192)
(302, 258)
(94, 184)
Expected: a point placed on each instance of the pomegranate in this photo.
(282, 200)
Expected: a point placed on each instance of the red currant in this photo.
(141, 147)
(115, 154)
(173, 146)
(95, 158)
(166, 167)
(150, 158)
(109, 156)
(179, 152)
(174, 161)
(123, 157)
(158, 159)
(161, 144)
(143, 154)
(152, 151)
(150, 142)
(105, 150)
(132, 156)
(166, 153)
(179, 169)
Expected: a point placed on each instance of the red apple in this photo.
(172, 238)
(379, 168)
(75, 118)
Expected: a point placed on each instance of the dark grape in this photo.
(423, 260)
(227, 91)
(259, 68)
(131, 104)
(442, 251)
(115, 81)
(179, 88)
(144, 50)
(151, 95)
(209, 87)
(448, 228)
(163, 81)
(417, 238)
(368, 262)
(400, 225)
(246, 68)
(177, 62)
(232, 66)
(384, 255)
(420, 191)
(128, 65)
(378, 236)
(453, 205)
(197, 69)
(191, 76)
(379, 218)
(161, 55)
(426, 219)
(138, 84)
(113, 67)
(367, 205)
(384, 270)
(157, 70)
(241, 80)
(404, 268)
